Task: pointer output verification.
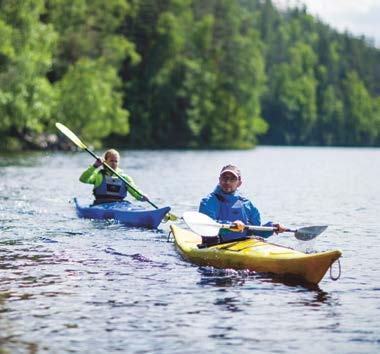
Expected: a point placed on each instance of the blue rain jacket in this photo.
(228, 207)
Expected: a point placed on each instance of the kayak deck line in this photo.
(262, 244)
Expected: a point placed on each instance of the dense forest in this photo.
(183, 74)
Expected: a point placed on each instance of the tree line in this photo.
(183, 74)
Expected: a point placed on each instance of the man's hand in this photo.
(238, 226)
(279, 228)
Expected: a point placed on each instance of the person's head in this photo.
(229, 179)
(112, 158)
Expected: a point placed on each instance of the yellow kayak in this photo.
(256, 255)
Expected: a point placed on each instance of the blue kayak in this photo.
(123, 212)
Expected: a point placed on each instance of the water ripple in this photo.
(73, 285)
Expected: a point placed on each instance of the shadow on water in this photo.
(229, 303)
(312, 296)
(318, 298)
(223, 278)
(232, 277)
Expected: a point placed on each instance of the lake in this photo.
(81, 286)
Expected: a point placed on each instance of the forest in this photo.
(201, 74)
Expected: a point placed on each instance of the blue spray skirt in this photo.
(123, 212)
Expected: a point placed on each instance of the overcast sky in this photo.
(360, 17)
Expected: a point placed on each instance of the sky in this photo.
(359, 17)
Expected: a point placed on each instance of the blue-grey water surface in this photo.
(70, 285)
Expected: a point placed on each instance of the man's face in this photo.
(229, 182)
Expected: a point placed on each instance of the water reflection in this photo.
(21, 159)
(223, 277)
(318, 298)
(228, 303)
(231, 277)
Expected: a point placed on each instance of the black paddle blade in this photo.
(309, 232)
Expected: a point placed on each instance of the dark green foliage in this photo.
(183, 73)
(323, 87)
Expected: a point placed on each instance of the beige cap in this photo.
(232, 169)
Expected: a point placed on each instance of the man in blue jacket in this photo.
(226, 205)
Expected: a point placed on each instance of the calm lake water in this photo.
(82, 286)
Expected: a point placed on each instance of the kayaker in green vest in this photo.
(108, 187)
(226, 205)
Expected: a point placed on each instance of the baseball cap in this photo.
(232, 169)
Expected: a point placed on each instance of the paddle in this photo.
(69, 134)
(203, 225)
